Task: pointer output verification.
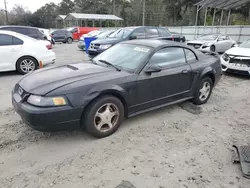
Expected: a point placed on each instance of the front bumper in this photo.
(81, 45)
(92, 51)
(235, 69)
(47, 119)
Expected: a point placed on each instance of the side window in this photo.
(139, 33)
(74, 30)
(150, 33)
(164, 32)
(17, 41)
(222, 37)
(5, 40)
(169, 57)
(190, 56)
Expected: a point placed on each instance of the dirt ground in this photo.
(168, 148)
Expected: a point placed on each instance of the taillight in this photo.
(49, 46)
(172, 38)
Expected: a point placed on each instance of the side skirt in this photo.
(160, 106)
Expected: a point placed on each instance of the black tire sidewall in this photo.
(23, 58)
(88, 119)
(196, 99)
(69, 40)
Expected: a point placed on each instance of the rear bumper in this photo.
(231, 68)
(49, 58)
(48, 119)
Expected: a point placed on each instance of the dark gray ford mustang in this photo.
(130, 78)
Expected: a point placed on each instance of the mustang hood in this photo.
(107, 41)
(238, 51)
(43, 81)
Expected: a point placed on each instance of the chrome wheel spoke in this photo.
(106, 117)
(204, 91)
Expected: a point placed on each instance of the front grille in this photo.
(20, 91)
(196, 46)
(237, 72)
(94, 46)
(240, 61)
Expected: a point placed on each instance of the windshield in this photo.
(245, 44)
(125, 56)
(104, 34)
(121, 33)
(208, 37)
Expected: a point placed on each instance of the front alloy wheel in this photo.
(103, 116)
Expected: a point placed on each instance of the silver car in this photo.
(213, 42)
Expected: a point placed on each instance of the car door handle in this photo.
(13, 50)
(185, 71)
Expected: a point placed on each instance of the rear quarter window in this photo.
(17, 41)
(190, 56)
(164, 32)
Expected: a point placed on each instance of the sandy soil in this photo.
(168, 148)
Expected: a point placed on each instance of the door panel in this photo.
(170, 84)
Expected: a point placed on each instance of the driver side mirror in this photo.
(153, 68)
(132, 37)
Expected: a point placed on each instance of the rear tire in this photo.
(103, 116)
(25, 65)
(69, 40)
(203, 91)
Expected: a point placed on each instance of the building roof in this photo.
(92, 16)
(222, 4)
(61, 17)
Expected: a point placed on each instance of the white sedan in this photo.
(213, 42)
(22, 53)
(237, 60)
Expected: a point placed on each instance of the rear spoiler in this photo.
(209, 53)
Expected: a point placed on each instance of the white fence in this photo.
(238, 33)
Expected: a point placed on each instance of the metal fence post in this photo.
(240, 33)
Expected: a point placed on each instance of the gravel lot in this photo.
(168, 148)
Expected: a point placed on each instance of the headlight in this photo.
(105, 46)
(225, 57)
(207, 44)
(47, 101)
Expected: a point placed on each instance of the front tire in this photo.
(25, 65)
(204, 91)
(103, 116)
(212, 48)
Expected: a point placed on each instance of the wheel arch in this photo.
(110, 92)
(29, 56)
(209, 72)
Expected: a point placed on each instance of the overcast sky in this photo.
(31, 5)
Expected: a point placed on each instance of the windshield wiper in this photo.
(110, 64)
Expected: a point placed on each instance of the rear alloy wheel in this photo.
(104, 116)
(26, 65)
(69, 40)
(204, 91)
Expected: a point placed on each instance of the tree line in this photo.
(157, 12)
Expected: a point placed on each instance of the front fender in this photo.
(82, 100)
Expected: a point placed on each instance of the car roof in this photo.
(154, 43)
(135, 27)
(29, 27)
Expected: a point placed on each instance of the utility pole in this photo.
(6, 12)
(113, 7)
(143, 12)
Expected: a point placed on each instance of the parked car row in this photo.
(130, 33)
